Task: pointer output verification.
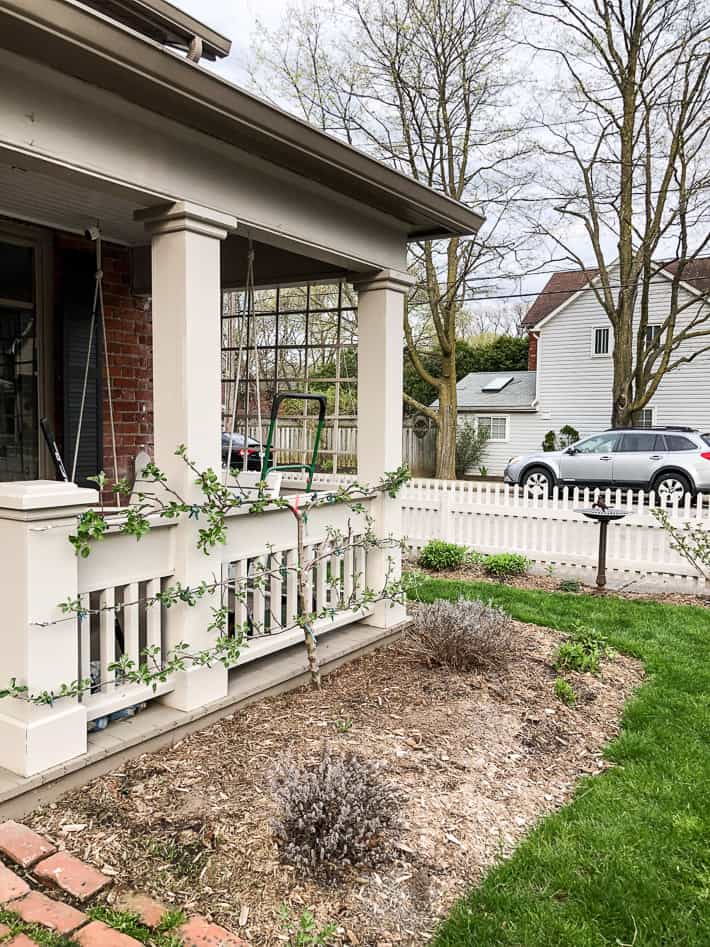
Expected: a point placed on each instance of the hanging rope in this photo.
(251, 342)
(97, 312)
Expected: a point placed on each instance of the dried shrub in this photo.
(465, 635)
(333, 814)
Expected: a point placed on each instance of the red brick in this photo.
(98, 934)
(37, 908)
(78, 879)
(150, 911)
(4, 930)
(23, 845)
(22, 940)
(199, 932)
(11, 885)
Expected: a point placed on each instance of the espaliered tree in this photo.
(626, 160)
(423, 85)
(152, 498)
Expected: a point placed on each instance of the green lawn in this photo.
(628, 860)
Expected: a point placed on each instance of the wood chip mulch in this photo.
(480, 759)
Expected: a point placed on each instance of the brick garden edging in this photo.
(66, 874)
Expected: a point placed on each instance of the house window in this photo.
(600, 341)
(652, 333)
(646, 417)
(496, 427)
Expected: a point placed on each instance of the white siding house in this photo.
(571, 346)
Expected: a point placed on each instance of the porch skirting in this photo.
(160, 726)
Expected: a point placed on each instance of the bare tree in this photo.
(423, 85)
(627, 162)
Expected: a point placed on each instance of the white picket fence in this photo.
(494, 517)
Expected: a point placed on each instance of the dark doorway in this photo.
(76, 294)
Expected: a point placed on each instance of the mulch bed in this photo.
(551, 583)
(480, 759)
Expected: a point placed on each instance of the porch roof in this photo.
(78, 41)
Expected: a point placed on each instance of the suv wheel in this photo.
(538, 483)
(673, 487)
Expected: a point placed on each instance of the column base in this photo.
(36, 738)
(385, 615)
(197, 686)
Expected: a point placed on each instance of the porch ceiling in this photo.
(63, 204)
(71, 204)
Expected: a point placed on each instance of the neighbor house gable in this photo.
(564, 287)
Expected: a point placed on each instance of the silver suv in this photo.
(673, 461)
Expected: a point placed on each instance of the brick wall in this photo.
(130, 351)
(532, 352)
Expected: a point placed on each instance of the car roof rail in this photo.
(656, 427)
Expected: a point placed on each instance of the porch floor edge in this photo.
(159, 726)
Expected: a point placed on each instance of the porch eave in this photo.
(73, 40)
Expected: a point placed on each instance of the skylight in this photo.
(497, 384)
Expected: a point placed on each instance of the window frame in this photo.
(653, 423)
(650, 327)
(504, 417)
(595, 354)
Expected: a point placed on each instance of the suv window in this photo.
(599, 444)
(676, 442)
(641, 443)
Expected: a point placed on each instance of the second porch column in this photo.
(379, 418)
(187, 310)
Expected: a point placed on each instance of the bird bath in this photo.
(602, 515)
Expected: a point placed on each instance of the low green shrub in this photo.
(582, 651)
(439, 555)
(570, 585)
(565, 692)
(505, 565)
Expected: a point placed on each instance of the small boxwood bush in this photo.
(505, 565)
(439, 555)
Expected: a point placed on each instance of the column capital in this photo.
(183, 215)
(395, 280)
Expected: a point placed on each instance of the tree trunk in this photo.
(446, 433)
(622, 359)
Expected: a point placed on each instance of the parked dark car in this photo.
(237, 459)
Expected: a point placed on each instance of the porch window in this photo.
(600, 340)
(495, 426)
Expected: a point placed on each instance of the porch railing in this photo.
(260, 587)
(121, 616)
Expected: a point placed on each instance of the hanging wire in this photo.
(97, 312)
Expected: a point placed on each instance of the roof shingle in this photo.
(563, 285)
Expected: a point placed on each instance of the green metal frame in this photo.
(266, 466)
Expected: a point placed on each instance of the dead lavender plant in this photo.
(333, 814)
(464, 635)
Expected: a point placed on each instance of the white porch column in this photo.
(187, 311)
(39, 644)
(379, 443)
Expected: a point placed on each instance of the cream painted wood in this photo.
(82, 129)
(39, 646)
(489, 518)
(186, 382)
(380, 345)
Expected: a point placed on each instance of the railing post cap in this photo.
(35, 495)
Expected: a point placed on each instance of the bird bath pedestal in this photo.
(603, 516)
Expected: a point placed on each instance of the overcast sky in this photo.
(237, 20)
